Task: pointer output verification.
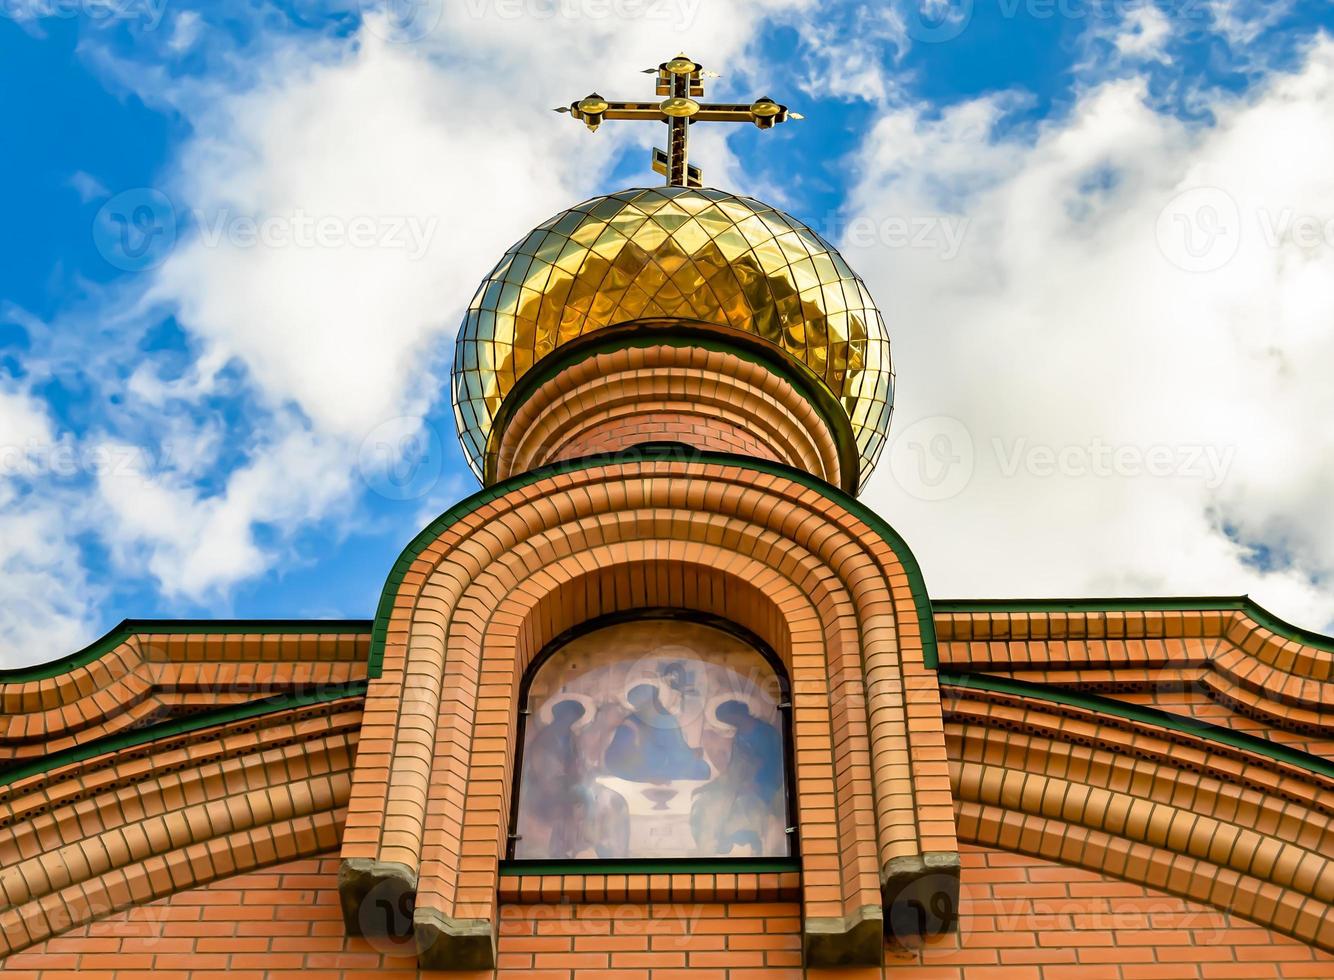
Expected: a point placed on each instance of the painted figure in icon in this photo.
(568, 814)
(648, 747)
(734, 813)
(629, 754)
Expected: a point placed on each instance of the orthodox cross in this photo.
(682, 82)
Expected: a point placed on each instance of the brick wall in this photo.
(1190, 701)
(1022, 919)
(693, 429)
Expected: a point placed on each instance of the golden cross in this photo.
(682, 82)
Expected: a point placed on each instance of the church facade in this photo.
(664, 699)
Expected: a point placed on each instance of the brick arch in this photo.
(142, 672)
(1167, 809)
(777, 612)
(129, 826)
(473, 597)
(711, 399)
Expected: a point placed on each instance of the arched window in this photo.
(654, 738)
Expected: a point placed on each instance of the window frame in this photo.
(511, 865)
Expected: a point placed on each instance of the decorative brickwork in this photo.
(613, 398)
(145, 673)
(1267, 679)
(1142, 789)
(125, 828)
(785, 561)
(663, 424)
(1243, 831)
(1021, 918)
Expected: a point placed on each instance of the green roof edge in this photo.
(1142, 713)
(179, 726)
(129, 627)
(1242, 603)
(653, 452)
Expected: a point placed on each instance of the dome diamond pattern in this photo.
(691, 253)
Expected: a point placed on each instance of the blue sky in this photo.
(201, 420)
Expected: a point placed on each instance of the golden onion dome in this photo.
(674, 252)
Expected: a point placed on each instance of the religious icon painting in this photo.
(654, 738)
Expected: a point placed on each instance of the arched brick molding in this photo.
(1244, 831)
(711, 399)
(122, 828)
(481, 594)
(146, 672)
(1223, 659)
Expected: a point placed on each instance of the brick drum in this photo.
(1022, 919)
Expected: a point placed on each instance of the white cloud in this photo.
(1144, 34)
(45, 601)
(185, 30)
(445, 122)
(1066, 324)
(88, 187)
(197, 545)
(23, 423)
(1241, 22)
(445, 145)
(47, 605)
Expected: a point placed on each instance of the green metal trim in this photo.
(651, 452)
(180, 726)
(129, 627)
(689, 333)
(1244, 604)
(662, 866)
(1142, 713)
